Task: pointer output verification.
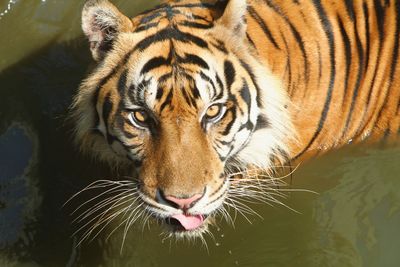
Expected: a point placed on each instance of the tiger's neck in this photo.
(334, 62)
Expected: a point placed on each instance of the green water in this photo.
(353, 221)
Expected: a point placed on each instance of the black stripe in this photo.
(349, 9)
(208, 79)
(154, 63)
(146, 27)
(296, 35)
(230, 124)
(262, 25)
(288, 67)
(195, 91)
(221, 87)
(107, 108)
(220, 46)
(395, 56)
(122, 83)
(164, 77)
(120, 121)
(325, 23)
(380, 17)
(169, 34)
(347, 50)
(367, 35)
(253, 79)
(219, 81)
(98, 88)
(262, 122)
(223, 143)
(360, 53)
(319, 65)
(160, 92)
(229, 72)
(167, 100)
(250, 40)
(369, 95)
(246, 96)
(248, 126)
(394, 62)
(196, 25)
(134, 92)
(133, 146)
(188, 99)
(193, 59)
(197, 17)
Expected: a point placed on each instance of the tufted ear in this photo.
(233, 16)
(101, 23)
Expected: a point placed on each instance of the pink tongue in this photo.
(189, 222)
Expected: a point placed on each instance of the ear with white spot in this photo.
(233, 16)
(101, 23)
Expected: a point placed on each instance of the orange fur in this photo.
(292, 77)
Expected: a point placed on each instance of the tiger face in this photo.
(181, 105)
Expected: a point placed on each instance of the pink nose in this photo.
(184, 203)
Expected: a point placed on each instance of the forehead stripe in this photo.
(168, 34)
(208, 79)
(167, 101)
(193, 59)
(135, 92)
(122, 83)
(146, 27)
(196, 25)
(154, 63)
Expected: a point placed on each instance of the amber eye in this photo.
(215, 112)
(139, 117)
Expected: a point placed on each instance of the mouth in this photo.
(186, 223)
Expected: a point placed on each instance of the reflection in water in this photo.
(8, 8)
(19, 196)
(361, 210)
(352, 222)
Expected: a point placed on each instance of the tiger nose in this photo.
(184, 203)
(178, 202)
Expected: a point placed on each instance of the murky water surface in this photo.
(353, 221)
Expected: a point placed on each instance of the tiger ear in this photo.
(233, 16)
(101, 23)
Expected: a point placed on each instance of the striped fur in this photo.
(291, 76)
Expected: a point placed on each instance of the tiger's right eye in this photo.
(139, 118)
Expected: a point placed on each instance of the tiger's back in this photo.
(339, 61)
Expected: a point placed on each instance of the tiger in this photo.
(193, 94)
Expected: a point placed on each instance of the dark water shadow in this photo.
(40, 168)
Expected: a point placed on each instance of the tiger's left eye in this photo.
(215, 112)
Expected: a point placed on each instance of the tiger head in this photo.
(180, 95)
